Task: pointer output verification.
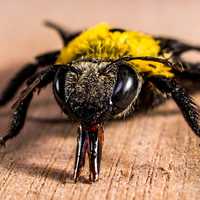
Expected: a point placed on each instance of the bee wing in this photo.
(65, 35)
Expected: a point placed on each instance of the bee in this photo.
(104, 73)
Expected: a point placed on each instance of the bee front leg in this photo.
(183, 100)
(18, 119)
(20, 107)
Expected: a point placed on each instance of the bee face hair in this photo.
(87, 94)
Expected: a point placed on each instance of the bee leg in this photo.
(21, 105)
(18, 119)
(185, 102)
(30, 69)
(25, 73)
(65, 35)
(15, 83)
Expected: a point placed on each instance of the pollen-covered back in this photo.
(100, 42)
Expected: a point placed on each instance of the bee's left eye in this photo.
(126, 89)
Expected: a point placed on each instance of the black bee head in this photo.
(93, 91)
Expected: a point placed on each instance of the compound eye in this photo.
(61, 92)
(126, 89)
(58, 85)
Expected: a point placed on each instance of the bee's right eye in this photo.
(126, 89)
(64, 80)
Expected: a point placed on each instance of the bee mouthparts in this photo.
(90, 140)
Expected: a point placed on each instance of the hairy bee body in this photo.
(101, 42)
(106, 44)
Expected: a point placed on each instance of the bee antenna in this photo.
(148, 58)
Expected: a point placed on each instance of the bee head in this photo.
(92, 91)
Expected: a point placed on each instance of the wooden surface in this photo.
(153, 156)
